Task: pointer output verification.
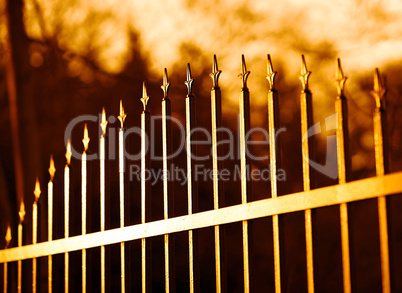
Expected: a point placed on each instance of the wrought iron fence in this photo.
(345, 192)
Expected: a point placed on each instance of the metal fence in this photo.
(378, 187)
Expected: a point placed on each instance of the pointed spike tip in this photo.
(304, 74)
(122, 116)
(21, 212)
(215, 73)
(188, 72)
(8, 236)
(37, 190)
(145, 97)
(68, 152)
(52, 169)
(270, 73)
(243, 65)
(379, 89)
(215, 65)
(104, 122)
(85, 140)
(165, 86)
(244, 73)
(189, 81)
(340, 79)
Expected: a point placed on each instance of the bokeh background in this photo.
(61, 59)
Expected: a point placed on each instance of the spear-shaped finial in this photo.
(379, 89)
(8, 236)
(244, 73)
(189, 81)
(270, 74)
(340, 79)
(104, 122)
(215, 73)
(68, 152)
(37, 190)
(21, 213)
(165, 86)
(52, 169)
(85, 140)
(145, 97)
(122, 116)
(304, 75)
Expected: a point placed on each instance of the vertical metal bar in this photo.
(37, 193)
(5, 277)
(84, 184)
(21, 215)
(66, 212)
(52, 171)
(192, 192)
(381, 164)
(244, 120)
(273, 125)
(306, 109)
(343, 172)
(216, 120)
(102, 159)
(5, 272)
(167, 184)
(145, 192)
(122, 118)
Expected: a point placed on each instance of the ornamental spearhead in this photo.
(8, 236)
(122, 116)
(340, 79)
(68, 153)
(270, 74)
(21, 213)
(85, 140)
(104, 122)
(304, 75)
(244, 73)
(379, 90)
(145, 97)
(37, 190)
(52, 169)
(165, 86)
(189, 81)
(215, 73)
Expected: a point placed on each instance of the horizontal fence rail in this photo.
(307, 201)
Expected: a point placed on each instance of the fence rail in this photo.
(309, 199)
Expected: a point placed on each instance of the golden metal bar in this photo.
(218, 191)
(321, 197)
(145, 192)
(5, 277)
(381, 159)
(52, 171)
(37, 193)
(66, 212)
(273, 125)
(84, 184)
(167, 184)
(122, 118)
(192, 192)
(306, 109)
(21, 215)
(244, 120)
(102, 159)
(343, 172)
(5, 272)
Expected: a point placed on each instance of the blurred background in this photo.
(61, 59)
